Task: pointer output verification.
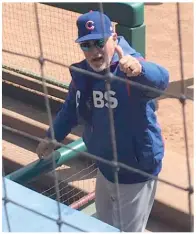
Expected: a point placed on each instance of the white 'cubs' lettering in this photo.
(98, 99)
(77, 97)
(113, 100)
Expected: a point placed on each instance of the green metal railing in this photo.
(61, 156)
(35, 76)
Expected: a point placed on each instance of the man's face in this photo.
(99, 53)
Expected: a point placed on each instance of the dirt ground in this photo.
(58, 31)
(163, 47)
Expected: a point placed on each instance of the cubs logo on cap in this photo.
(90, 26)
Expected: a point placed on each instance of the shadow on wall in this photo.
(153, 3)
(175, 88)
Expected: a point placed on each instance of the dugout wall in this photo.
(129, 19)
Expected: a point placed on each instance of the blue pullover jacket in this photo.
(138, 135)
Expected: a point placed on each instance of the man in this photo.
(137, 133)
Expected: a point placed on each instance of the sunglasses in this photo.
(86, 46)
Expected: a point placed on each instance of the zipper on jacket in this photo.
(91, 128)
(136, 158)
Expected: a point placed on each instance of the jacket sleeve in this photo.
(152, 75)
(66, 118)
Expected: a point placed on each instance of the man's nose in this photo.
(94, 50)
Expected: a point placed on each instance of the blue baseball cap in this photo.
(93, 25)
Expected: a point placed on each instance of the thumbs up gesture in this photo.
(128, 64)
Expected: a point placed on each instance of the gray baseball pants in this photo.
(136, 202)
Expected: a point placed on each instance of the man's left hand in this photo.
(128, 64)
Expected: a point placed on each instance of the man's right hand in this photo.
(45, 148)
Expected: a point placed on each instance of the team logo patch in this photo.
(89, 25)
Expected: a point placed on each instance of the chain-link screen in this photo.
(39, 39)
